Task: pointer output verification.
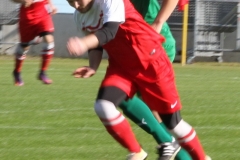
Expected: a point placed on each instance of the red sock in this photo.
(193, 146)
(123, 134)
(46, 58)
(18, 65)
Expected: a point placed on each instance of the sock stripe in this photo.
(21, 57)
(118, 119)
(50, 51)
(190, 136)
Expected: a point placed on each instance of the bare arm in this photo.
(26, 3)
(52, 7)
(166, 10)
(78, 46)
(95, 58)
(18, 1)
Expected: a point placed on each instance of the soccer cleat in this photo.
(168, 150)
(17, 79)
(42, 77)
(208, 158)
(142, 155)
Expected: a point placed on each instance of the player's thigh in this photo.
(45, 27)
(27, 32)
(163, 100)
(112, 94)
(115, 79)
(47, 37)
(171, 120)
(161, 95)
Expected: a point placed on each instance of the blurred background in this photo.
(212, 30)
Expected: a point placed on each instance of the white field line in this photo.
(50, 128)
(102, 128)
(50, 110)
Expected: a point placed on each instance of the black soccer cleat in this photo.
(168, 150)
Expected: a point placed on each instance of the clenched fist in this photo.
(76, 46)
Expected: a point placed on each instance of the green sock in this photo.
(139, 113)
(182, 154)
(136, 110)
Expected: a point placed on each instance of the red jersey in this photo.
(34, 20)
(35, 11)
(135, 42)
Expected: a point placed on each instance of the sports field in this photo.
(57, 122)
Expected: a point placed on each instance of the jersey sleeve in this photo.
(113, 11)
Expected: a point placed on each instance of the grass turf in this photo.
(57, 122)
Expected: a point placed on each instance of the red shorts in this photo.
(33, 21)
(156, 85)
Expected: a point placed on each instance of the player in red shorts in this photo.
(137, 62)
(35, 20)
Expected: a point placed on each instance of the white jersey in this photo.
(34, 1)
(102, 11)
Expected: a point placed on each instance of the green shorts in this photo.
(170, 44)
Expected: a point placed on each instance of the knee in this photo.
(182, 129)
(21, 51)
(48, 48)
(105, 109)
(171, 120)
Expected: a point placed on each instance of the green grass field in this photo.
(57, 122)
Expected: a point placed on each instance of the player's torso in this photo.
(134, 41)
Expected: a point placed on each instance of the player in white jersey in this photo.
(137, 62)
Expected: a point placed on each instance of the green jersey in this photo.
(149, 10)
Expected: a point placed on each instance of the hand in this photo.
(84, 72)
(157, 27)
(76, 46)
(27, 3)
(53, 10)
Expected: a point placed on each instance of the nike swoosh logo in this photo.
(173, 105)
(143, 121)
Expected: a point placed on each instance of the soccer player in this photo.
(137, 62)
(35, 20)
(134, 108)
